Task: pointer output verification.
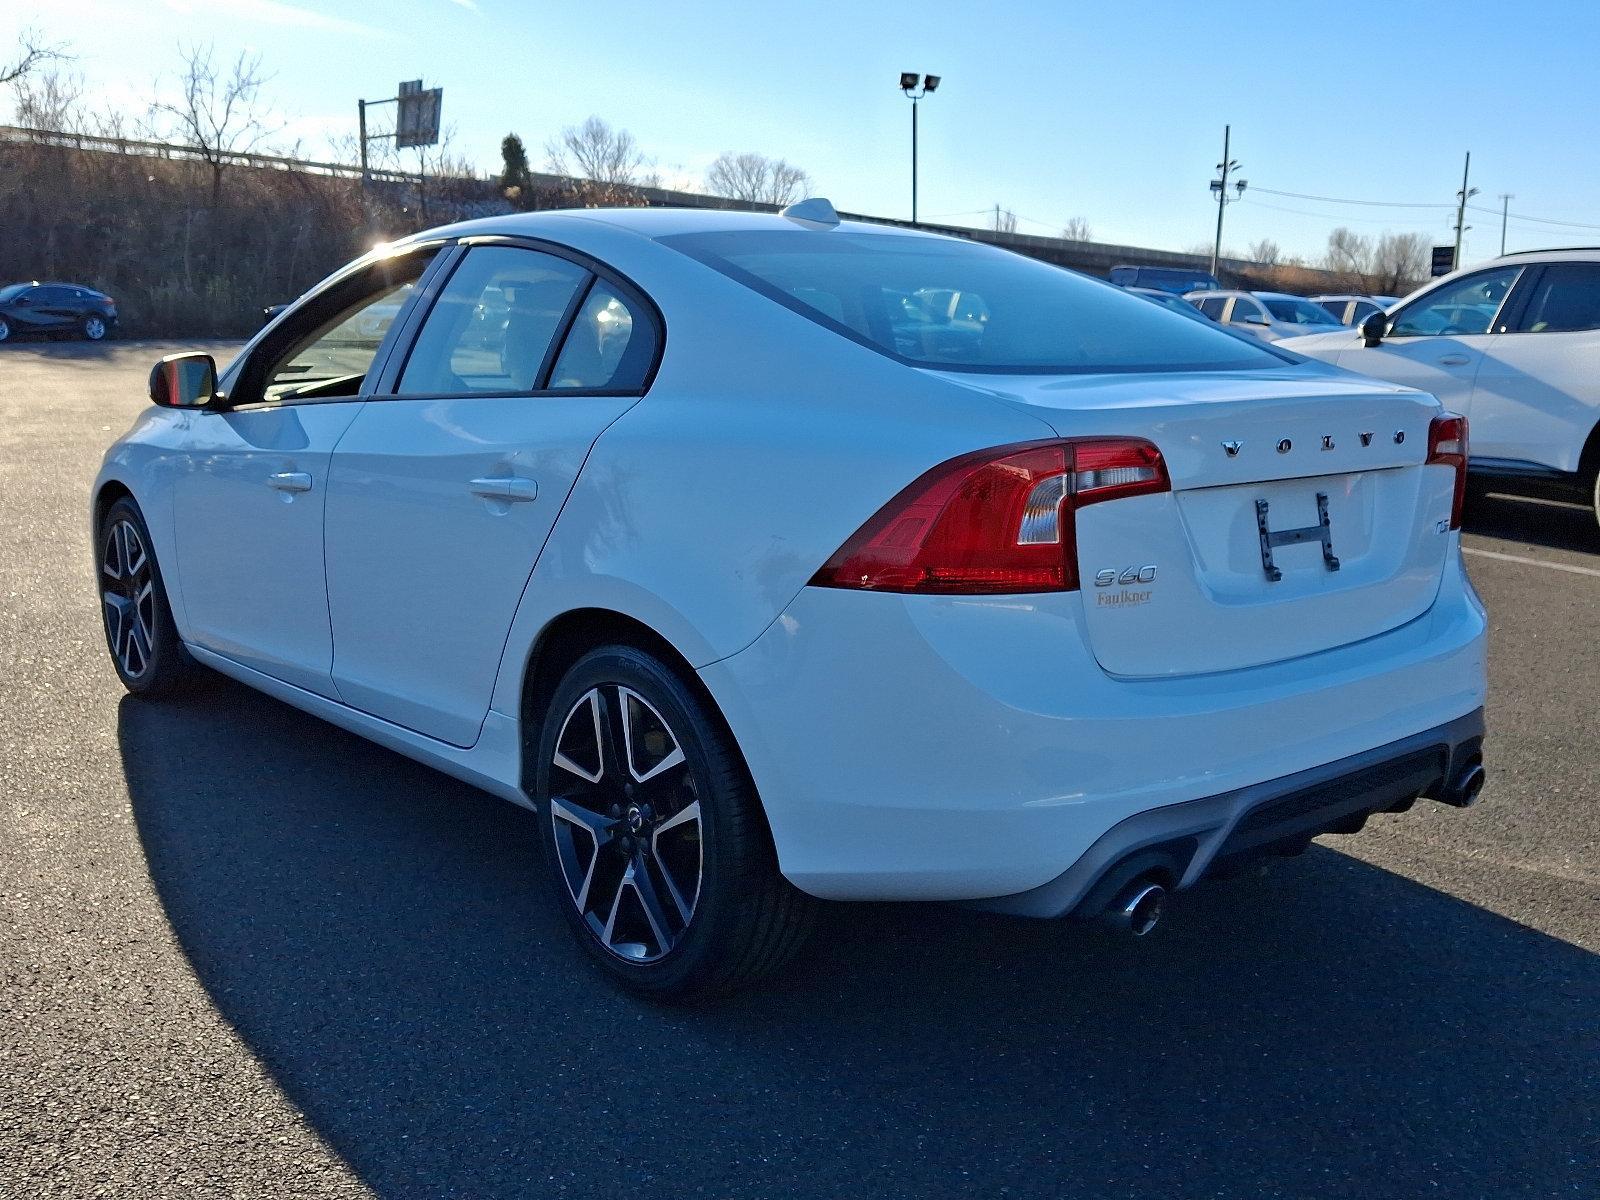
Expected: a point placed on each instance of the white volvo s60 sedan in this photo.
(762, 576)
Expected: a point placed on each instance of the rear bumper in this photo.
(969, 748)
(1184, 842)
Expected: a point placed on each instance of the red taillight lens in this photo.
(998, 521)
(1447, 446)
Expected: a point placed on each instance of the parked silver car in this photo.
(1268, 315)
(1351, 309)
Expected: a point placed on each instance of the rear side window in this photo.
(1212, 306)
(1334, 308)
(609, 348)
(1565, 300)
(493, 326)
(954, 305)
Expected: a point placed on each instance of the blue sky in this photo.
(1110, 112)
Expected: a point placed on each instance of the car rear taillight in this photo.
(997, 521)
(1447, 447)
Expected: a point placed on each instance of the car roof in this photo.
(1557, 254)
(655, 223)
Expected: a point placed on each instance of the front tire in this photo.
(658, 852)
(94, 328)
(145, 648)
(5, 330)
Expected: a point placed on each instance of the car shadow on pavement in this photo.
(380, 938)
(1548, 523)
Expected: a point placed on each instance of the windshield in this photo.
(954, 305)
(12, 290)
(1299, 312)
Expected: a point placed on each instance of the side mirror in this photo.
(184, 381)
(1374, 327)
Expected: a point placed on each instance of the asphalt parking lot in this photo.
(246, 954)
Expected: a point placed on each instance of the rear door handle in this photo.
(1454, 360)
(290, 481)
(510, 489)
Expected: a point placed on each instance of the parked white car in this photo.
(757, 588)
(1515, 345)
(1270, 316)
(1352, 310)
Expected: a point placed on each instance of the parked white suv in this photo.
(1270, 316)
(1514, 344)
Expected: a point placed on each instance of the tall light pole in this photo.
(1462, 197)
(1219, 188)
(916, 87)
(1505, 212)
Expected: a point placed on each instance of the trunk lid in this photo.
(1179, 583)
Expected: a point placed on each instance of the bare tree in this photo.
(32, 52)
(1347, 256)
(599, 153)
(220, 112)
(1077, 230)
(1266, 252)
(1005, 221)
(50, 100)
(757, 178)
(1389, 266)
(1399, 262)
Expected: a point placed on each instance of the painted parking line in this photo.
(1532, 562)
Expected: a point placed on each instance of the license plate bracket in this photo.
(1322, 532)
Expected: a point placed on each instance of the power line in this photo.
(1300, 212)
(1344, 200)
(1536, 220)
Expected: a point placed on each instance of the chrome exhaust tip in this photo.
(1137, 909)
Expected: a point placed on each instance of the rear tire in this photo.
(5, 330)
(146, 651)
(658, 852)
(94, 329)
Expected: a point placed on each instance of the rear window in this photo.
(961, 306)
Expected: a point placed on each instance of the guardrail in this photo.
(167, 150)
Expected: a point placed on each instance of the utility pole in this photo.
(361, 136)
(1220, 187)
(1462, 197)
(1505, 212)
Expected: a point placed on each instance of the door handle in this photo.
(1454, 360)
(511, 489)
(290, 481)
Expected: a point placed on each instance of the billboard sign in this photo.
(418, 121)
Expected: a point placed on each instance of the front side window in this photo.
(327, 347)
(1466, 306)
(1565, 300)
(1244, 309)
(954, 305)
(1362, 310)
(493, 325)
